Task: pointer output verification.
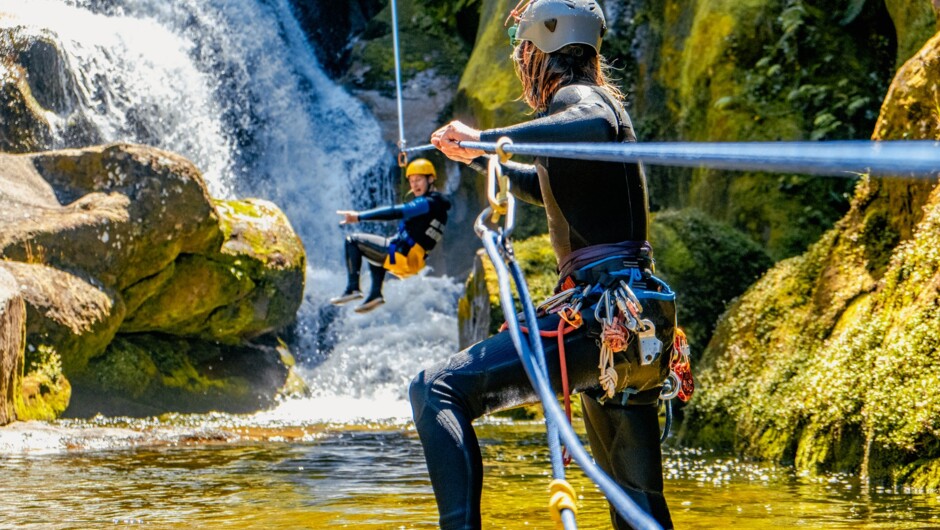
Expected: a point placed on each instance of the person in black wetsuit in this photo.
(420, 229)
(598, 218)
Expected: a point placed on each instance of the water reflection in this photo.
(222, 472)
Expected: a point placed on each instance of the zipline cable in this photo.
(401, 123)
(844, 158)
(419, 149)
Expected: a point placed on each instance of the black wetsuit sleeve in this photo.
(523, 178)
(578, 114)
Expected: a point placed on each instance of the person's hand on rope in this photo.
(349, 217)
(447, 139)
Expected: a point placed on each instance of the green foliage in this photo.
(444, 13)
(43, 360)
(44, 392)
(808, 66)
(432, 43)
(707, 264)
(540, 267)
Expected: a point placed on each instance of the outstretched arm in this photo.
(407, 210)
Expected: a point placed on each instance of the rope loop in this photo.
(561, 497)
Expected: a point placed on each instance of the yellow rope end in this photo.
(562, 498)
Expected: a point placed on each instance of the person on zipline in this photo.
(598, 218)
(420, 228)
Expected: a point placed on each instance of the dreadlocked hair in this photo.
(542, 74)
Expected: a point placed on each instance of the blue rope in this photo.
(535, 344)
(624, 505)
(899, 158)
(401, 123)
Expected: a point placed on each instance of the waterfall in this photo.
(235, 86)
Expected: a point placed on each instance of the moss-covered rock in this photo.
(12, 345)
(915, 21)
(77, 317)
(83, 230)
(488, 94)
(45, 392)
(826, 362)
(149, 374)
(707, 264)
(479, 313)
(776, 70)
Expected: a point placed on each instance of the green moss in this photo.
(488, 93)
(539, 265)
(430, 45)
(778, 70)
(147, 374)
(128, 369)
(44, 392)
(804, 381)
(707, 264)
(198, 287)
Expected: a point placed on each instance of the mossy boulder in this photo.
(124, 239)
(12, 345)
(479, 313)
(76, 316)
(828, 361)
(149, 374)
(707, 264)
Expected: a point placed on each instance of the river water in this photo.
(263, 471)
(234, 86)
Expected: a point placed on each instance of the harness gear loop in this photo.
(561, 497)
(681, 367)
(614, 338)
(501, 149)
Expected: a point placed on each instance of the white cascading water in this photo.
(234, 86)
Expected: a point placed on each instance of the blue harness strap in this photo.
(401, 243)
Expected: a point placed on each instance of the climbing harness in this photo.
(405, 258)
(498, 248)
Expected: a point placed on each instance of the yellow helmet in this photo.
(420, 166)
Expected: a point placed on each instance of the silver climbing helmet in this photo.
(554, 24)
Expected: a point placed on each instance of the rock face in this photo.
(12, 343)
(828, 361)
(124, 239)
